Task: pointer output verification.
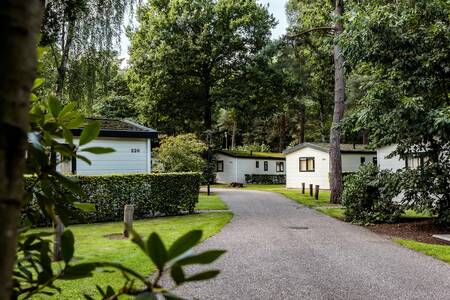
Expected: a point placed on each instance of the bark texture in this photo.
(19, 25)
(301, 123)
(339, 107)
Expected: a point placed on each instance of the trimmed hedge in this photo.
(151, 194)
(265, 179)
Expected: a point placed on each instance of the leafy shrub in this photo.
(182, 153)
(265, 179)
(368, 196)
(253, 147)
(166, 194)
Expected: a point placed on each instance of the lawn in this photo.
(92, 245)
(293, 194)
(338, 213)
(212, 202)
(438, 251)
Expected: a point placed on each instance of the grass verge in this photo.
(334, 212)
(211, 202)
(437, 251)
(92, 245)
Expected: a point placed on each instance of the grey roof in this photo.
(120, 128)
(325, 147)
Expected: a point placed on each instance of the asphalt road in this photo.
(272, 256)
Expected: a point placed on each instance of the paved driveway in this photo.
(271, 256)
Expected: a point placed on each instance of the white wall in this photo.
(234, 169)
(294, 177)
(395, 163)
(351, 162)
(122, 161)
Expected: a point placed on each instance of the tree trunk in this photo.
(322, 121)
(233, 136)
(62, 68)
(301, 123)
(365, 137)
(19, 25)
(282, 131)
(339, 106)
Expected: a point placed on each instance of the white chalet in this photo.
(232, 166)
(132, 145)
(310, 163)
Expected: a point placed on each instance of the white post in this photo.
(149, 156)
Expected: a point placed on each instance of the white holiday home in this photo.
(232, 166)
(132, 144)
(310, 163)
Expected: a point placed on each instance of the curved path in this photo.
(271, 256)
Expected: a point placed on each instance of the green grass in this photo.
(437, 251)
(293, 194)
(212, 202)
(334, 212)
(92, 245)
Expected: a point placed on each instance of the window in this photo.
(415, 162)
(280, 166)
(375, 160)
(362, 160)
(219, 166)
(307, 164)
(266, 166)
(257, 164)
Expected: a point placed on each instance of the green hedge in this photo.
(265, 179)
(151, 194)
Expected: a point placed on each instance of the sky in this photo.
(275, 7)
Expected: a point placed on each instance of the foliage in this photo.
(182, 153)
(368, 196)
(402, 51)
(151, 194)
(34, 273)
(253, 147)
(185, 51)
(265, 179)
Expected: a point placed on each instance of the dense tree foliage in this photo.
(184, 51)
(401, 53)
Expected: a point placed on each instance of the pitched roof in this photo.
(120, 128)
(252, 154)
(325, 147)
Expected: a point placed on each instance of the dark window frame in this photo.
(278, 165)
(362, 160)
(266, 166)
(306, 158)
(257, 164)
(375, 160)
(219, 163)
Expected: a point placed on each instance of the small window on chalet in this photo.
(280, 166)
(375, 160)
(257, 164)
(362, 160)
(307, 164)
(219, 166)
(415, 162)
(266, 166)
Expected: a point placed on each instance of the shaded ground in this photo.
(278, 249)
(418, 230)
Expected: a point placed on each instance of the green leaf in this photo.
(68, 136)
(68, 108)
(157, 251)
(79, 271)
(89, 133)
(86, 207)
(170, 296)
(146, 296)
(204, 258)
(37, 83)
(85, 159)
(203, 276)
(98, 150)
(184, 243)
(67, 245)
(54, 106)
(177, 274)
(136, 238)
(75, 122)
